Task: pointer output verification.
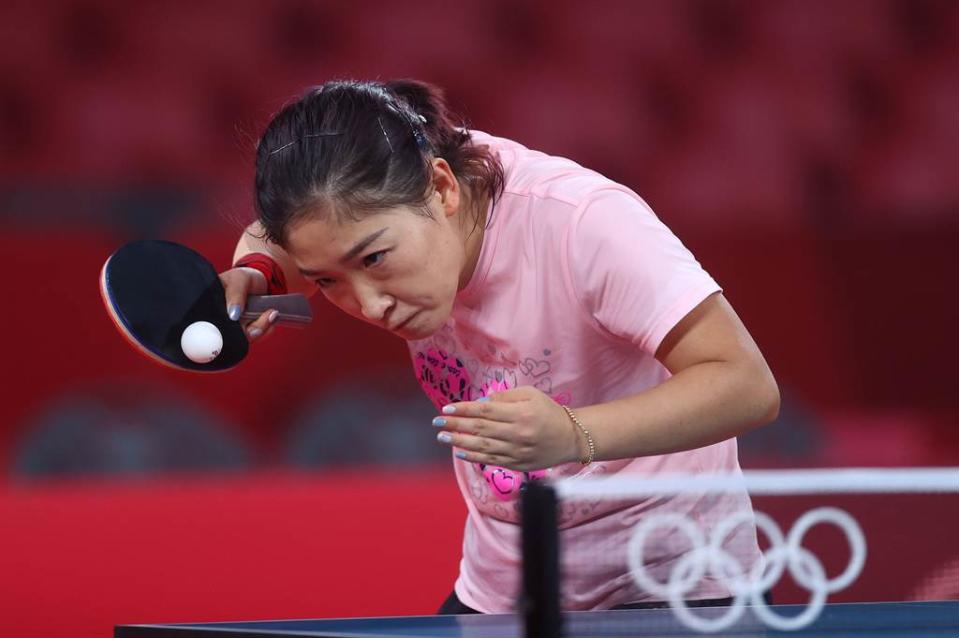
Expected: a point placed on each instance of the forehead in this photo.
(324, 231)
(315, 240)
(313, 231)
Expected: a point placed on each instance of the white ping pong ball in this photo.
(201, 342)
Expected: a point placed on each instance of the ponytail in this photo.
(449, 137)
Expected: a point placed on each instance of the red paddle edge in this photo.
(104, 295)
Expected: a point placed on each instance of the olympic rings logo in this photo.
(784, 553)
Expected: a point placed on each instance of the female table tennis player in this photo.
(557, 325)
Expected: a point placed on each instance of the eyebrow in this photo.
(352, 252)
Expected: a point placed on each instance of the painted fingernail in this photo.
(482, 399)
(235, 311)
(255, 332)
(439, 421)
(461, 455)
(273, 316)
(444, 437)
(449, 409)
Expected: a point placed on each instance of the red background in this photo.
(805, 152)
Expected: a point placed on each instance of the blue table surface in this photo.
(840, 620)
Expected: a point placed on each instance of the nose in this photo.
(374, 304)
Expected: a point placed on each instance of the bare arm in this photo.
(720, 388)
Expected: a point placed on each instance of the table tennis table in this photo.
(840, 620)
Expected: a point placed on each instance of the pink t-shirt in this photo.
(577, 284)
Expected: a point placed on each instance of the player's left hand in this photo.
(520, 429)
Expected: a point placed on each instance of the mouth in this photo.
(404, 323)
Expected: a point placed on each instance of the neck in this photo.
(473, 226)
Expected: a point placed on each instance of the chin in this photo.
(422, 326)
(414, 333)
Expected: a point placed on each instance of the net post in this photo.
(539, 599)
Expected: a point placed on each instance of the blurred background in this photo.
(806, 152)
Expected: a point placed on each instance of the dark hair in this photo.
(347, 148)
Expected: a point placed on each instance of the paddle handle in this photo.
(294, 308)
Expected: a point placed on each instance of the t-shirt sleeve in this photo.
(629, 272)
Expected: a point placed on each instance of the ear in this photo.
(446, 187)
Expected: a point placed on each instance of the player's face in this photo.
(396, 269)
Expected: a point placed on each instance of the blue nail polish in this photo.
(439, 421)
(461, 455)
(234, 311)
(449, 409)
(444, 437)
(481, 400)
(255, 332)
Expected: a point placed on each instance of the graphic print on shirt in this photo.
(447, 379)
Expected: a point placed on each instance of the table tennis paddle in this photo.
(153, 290)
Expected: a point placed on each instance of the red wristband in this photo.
(275, 280)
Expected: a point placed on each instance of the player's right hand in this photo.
(239, 283)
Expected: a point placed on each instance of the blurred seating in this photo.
(116, 92)
(789, 144)
(118, 428)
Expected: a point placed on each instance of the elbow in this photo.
(759, 393)
(768, 399)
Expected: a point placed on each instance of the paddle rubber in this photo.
(154, 289)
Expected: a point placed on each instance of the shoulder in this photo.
(537, 174)
(537, 182)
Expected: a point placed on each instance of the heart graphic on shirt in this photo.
(545, 385)
(534, 368)
(500, 375)
(505, 483)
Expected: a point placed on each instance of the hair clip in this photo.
(421, 140)
(385, 134)
(308, 135)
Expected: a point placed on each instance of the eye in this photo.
(324, 282)
(374, 259)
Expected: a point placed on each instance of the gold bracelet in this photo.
(589, 437)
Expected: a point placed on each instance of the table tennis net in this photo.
(803, 538)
